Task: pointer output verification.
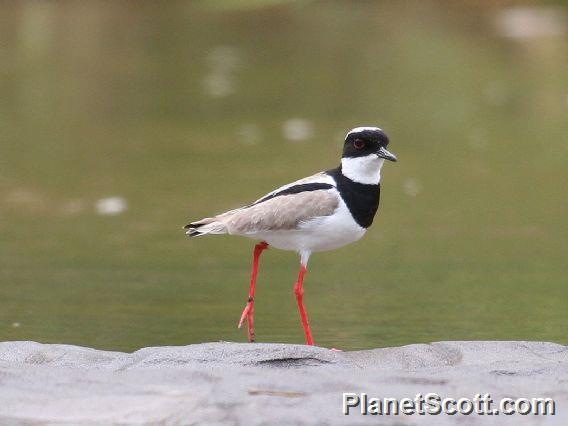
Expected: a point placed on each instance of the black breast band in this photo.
(361, 199)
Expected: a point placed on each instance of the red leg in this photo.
(248, 312)
(299, 291)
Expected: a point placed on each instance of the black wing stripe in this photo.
(296, 189)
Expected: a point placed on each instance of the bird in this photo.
(325, 211)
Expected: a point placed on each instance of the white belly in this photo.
(323, 233)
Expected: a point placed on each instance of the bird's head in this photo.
(364, 153)
(367, 141)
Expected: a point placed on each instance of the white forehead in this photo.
(362, 129)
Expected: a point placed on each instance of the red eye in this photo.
(359, 144)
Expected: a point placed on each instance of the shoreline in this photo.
(238, 383)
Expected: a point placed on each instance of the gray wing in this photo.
(283, 212)
(284, 208)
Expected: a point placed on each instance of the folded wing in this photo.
(286, 208)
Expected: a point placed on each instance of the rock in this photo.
(236, 383)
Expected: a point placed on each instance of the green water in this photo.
(179, 109)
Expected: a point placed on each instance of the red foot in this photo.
(248, 308)
(248, 312)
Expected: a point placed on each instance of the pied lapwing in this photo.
(322, 212)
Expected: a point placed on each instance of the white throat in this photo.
(365, 170)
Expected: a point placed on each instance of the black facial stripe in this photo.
(296, 189)
(361, 199)
(373, 139)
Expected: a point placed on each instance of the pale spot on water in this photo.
(218, 85)
(111, 206)
(531, 22)
(16, 324)
(412, 187)
(249, 134)
(24, 196)
(297, 129)
(72, 207)
(222, 62)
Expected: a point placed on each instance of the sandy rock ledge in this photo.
(236, 383)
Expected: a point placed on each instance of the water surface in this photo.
(122, 121)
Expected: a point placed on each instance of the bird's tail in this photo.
(209, 225)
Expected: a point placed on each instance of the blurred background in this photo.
(121, 121)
